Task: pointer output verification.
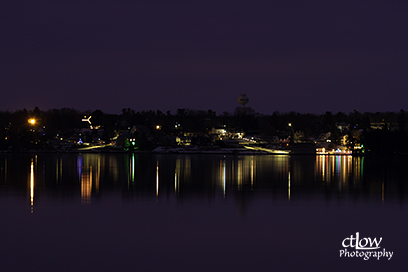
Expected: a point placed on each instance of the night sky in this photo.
(304, 56)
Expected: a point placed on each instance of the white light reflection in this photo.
(175, 182)
(133, 168)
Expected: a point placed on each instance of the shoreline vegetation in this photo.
(204, 132)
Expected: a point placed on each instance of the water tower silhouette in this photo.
(243, 100)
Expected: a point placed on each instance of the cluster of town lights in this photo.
(333, 151)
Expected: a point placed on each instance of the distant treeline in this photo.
(15, 129)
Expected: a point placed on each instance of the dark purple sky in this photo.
(306, 56)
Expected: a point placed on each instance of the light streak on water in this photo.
(32, 185)
(157, 178)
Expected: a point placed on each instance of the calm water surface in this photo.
(142, 212)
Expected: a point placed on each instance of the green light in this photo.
(133, 143)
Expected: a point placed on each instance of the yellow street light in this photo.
(31, 121)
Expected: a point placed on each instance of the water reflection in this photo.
(132, 168)
(343, 171)
(32, 185)
(157, 178)
(239, 171)
(114, 196)
(86, 187)
(222, 176)
(186, 176)
(89, 172)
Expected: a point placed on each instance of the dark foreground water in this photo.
(124, 212)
